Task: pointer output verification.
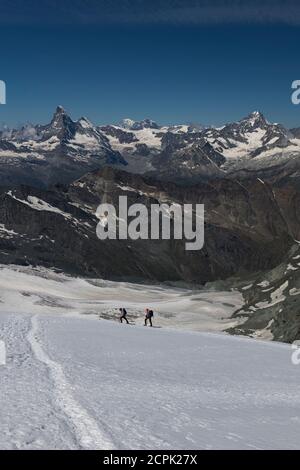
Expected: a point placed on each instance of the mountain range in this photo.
(54, 176)
(63, 150)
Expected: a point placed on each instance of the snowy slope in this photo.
(24, 289)
(74, 381)
(77, 382)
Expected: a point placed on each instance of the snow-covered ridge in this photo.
(38, 204)
(144, 146)
(252, 137)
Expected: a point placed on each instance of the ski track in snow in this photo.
(87, 432)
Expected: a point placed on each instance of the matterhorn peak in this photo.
(60, 110)
(60, 118)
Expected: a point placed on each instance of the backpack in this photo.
(150, 313)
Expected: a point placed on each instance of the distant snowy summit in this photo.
(132, 125)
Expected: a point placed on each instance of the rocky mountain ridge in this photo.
(64, 150)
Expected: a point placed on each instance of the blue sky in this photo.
(172, 61)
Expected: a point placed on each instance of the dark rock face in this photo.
(142, 150)
(199, 162)
(296, 132)
(272, 302)
(244, 232)
(123, 136)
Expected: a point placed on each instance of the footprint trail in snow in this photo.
(88, 433)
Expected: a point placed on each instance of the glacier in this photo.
(74, 380)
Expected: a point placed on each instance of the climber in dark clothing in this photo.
(148, 316)
(123, 315)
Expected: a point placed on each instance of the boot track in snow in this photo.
(86, 429)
